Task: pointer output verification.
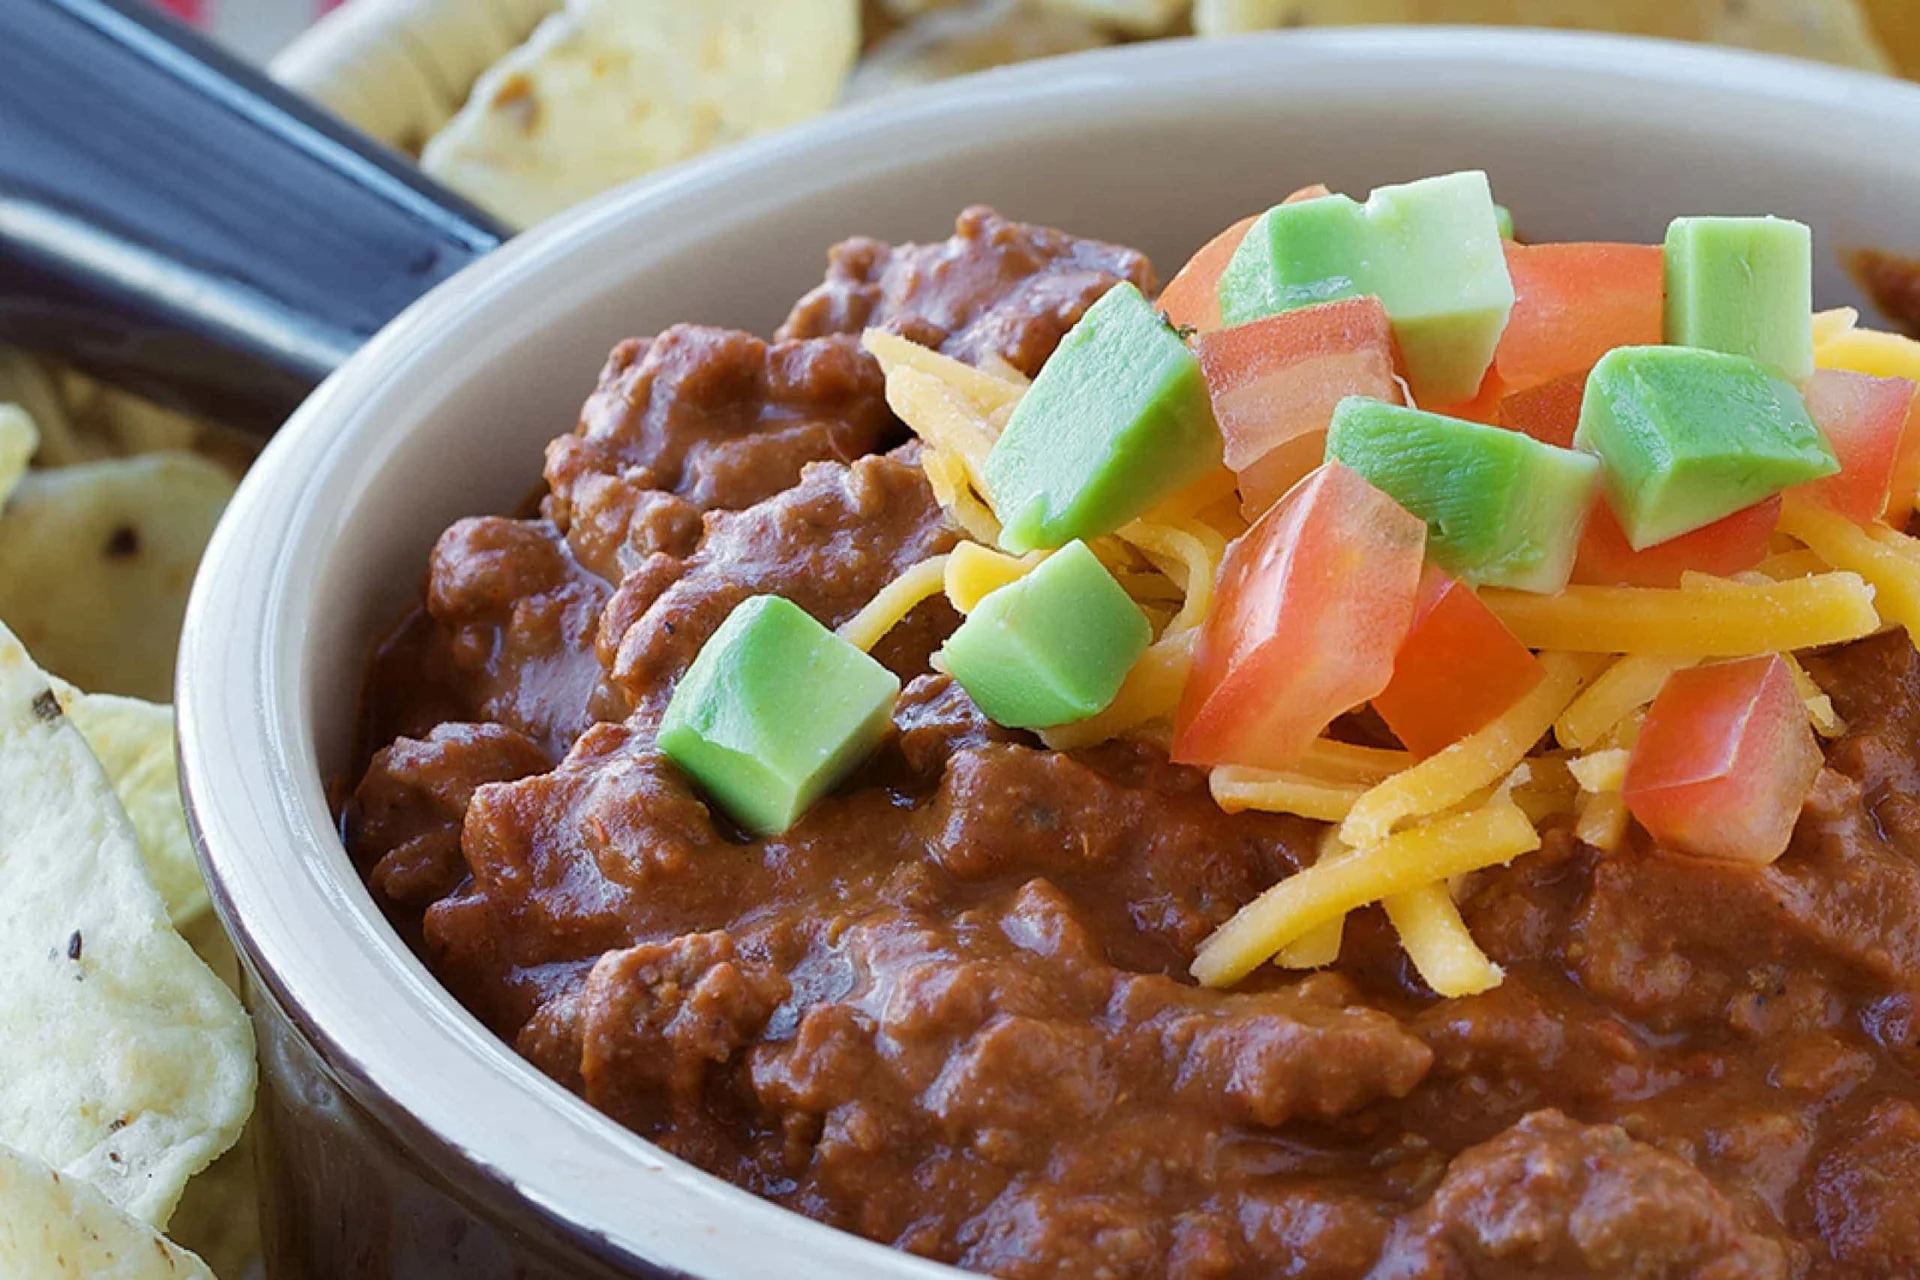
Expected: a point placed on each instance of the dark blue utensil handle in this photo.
(174, 222)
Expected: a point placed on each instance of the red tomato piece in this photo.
(1458, 669)
(1550, 412)
(1274, 384)
(1573, 303)
(1725, 761)
(1310, 609)
(1866, 421)
(1192, 297)
(1733, 544)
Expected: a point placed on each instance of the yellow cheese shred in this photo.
(896, 600)
(1318, 948)
(1190, 550)
(1622, 689)
(1826, 721)
(1602, 821)
(1798, 563)
(1150, 692)
(1437, 941)
(1447, 847)
(942, 418)
(992, 387)
(1600, 771)
(1283, 791)
(953, 490)
(974, 572)
(1477, 761)
(1800, 613)
(1894, 575)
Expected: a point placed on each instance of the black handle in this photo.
(172, 221)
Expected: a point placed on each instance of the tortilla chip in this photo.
(59, 1228)
(1897, 23)
(959, 41)
(1135, 17)
(18, 439)
(610, 90)
(96, 562)
(26, 382)
(1827, 30)
(123, 1059)
(219, 1216)
(133, 741)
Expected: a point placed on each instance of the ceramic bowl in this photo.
(405, 1139)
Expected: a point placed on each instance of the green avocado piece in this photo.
(1296, 255)
(1502, 509)
(1118, 419)
(1503, 218)
(1743, 286)
(1430, 251)
(1051, 647)
(774, 712)
(1689, 436)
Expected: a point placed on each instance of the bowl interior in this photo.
(1157, 146)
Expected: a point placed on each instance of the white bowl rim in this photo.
(402, 1046)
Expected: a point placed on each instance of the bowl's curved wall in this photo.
(446, 413)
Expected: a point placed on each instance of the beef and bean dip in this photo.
(949, 1010)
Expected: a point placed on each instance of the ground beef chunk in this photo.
(702, 419)
(1893, 283)
(517, 615)
(996, 288)
(408, 810)
(1863, 1199)
(1558, 1200)
(828, 544)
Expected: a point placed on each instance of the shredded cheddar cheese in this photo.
(1436, 940)
(988, 389)
(1622, 689)
(1318, 948)
(1477, 761)
(1893, 574)
(1273, 791)
(896, 600)
(1150, 693)
(1600, 771)
(1434, 853)
(974, 572)
(1800, 613)
(1602, 821)
(1190, 550)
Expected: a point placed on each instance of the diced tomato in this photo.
(1725, 761)
(1192, 297)
(1485, 405)
(1311, 607)
(1729, 545)
(1458, 669)
(1573, 303)
(1550, 412)
(1274, 384)
(1866, 421)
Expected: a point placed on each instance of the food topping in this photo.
(1690, 436)
(1117, 420)
(774, 712)
(1457, 670)
(1429, 250)
(1743, 286)
(1502, 509)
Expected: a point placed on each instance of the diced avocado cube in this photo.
(1502, 509)
(1503, 218)
(1051, 647)
(1689, 436)
(1429, 250)
(1743, 286)
(1441, 271)
(1117, 420)
(774, 712)
(1296, 255)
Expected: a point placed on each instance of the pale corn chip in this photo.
(1135, 17)
(961, 41)
(610, 90)
(96, 561)
(54, 1227)
(18, 439)
(133, 740)
(28, 383)
(1828, 30)
(123, 1059)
